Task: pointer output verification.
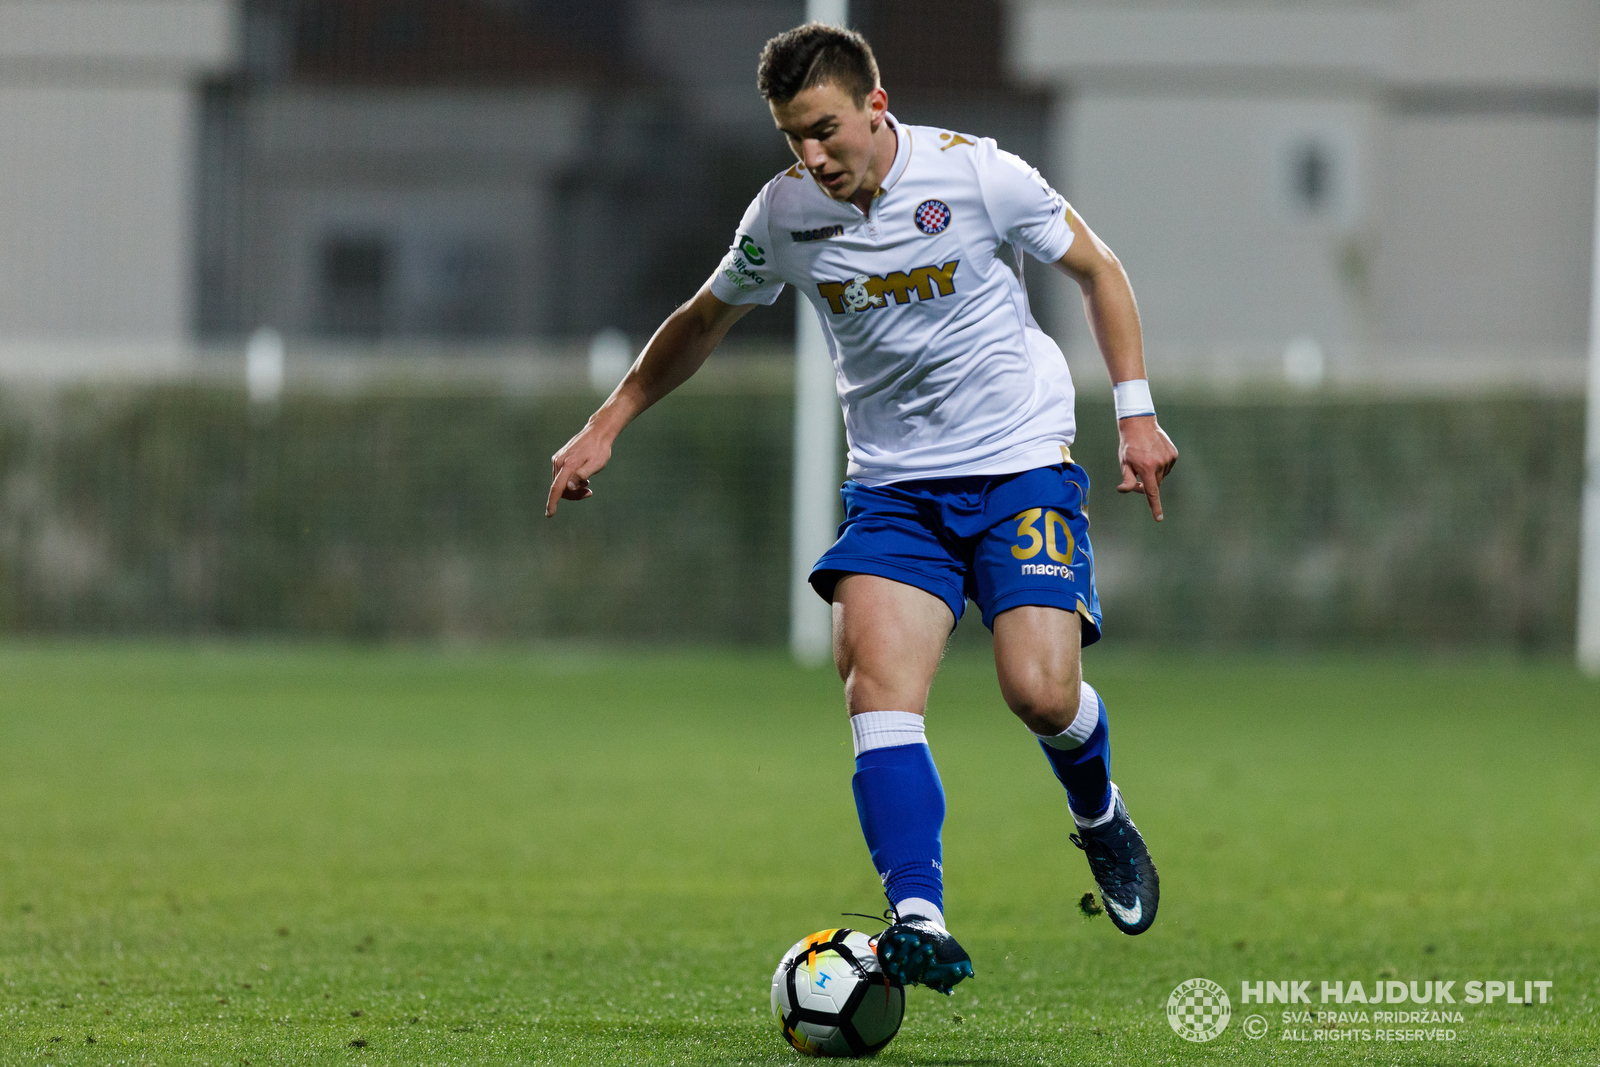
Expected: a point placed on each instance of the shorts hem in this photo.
(829, 569)
(1045, 599)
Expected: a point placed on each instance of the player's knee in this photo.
(1046, 718)
(1046, 705)
(866, 689)
(864, 692)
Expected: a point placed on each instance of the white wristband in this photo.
(1133, 398)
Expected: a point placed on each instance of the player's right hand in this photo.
(574, 464)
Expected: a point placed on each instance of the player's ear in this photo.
(877, 104)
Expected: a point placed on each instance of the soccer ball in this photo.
(832, 999)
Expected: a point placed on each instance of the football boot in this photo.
(1122, 868)
(918, 951)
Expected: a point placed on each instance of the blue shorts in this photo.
(1003, 540)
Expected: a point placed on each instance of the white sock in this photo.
(1101, 819)
(917, 906)
(1083, 723)
(886, 729)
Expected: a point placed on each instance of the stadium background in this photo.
(319, 745)
(442, 215)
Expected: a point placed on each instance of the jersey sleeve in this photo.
(1023, 208)
(748, 273)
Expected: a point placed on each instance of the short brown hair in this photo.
(812, 55)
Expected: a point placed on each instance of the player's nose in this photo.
(812, 155)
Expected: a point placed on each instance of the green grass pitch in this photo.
(284, 855)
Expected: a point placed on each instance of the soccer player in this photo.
(908, 241)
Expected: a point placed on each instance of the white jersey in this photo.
(942, 370)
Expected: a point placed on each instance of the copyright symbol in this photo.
(1255, 1027)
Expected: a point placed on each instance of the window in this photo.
(1311, 177)
(356, 271)
(1315, 174)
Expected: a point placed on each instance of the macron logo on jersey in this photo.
(869, 290)
(820, 234)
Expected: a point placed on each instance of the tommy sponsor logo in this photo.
(821, 233)
(869, 290)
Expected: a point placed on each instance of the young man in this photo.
(959, 414)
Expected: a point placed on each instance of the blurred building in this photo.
(98, 112)
(382, 171)
(1346, 186)
(492, 169)
(475, 170)
(1392, 189)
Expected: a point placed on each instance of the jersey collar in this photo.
(902, 153)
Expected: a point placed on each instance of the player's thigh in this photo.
(888, 638)
(1038, 659)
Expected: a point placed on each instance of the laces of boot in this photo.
(888, 918)
(1103, 860)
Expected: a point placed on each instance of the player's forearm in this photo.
(1113, 316)
(677, 349)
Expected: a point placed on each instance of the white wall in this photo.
(1464, 131)
(97, 124)
(1187, 191)
(1486, 230)
(1500, 42)
(95, 210)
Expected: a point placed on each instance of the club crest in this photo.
(933, 216)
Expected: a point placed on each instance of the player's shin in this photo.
(900, 801)
(1080, 755)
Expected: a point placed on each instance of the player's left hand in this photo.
(1147, 455)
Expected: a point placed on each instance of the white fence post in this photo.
(816, 452)
(1589, 548)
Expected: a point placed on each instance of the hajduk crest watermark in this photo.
(1198, 1010)
(1384, 1010)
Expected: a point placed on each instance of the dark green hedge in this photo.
(182, 510)
(1354, 522)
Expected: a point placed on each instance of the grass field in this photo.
(259, 855)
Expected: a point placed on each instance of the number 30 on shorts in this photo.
(1053, 520)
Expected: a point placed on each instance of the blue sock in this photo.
(1081, 757)
(900, 801)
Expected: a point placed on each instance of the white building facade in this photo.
(1381, 192)
(97, 146)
